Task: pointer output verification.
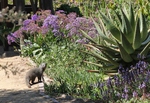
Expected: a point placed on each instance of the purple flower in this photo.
(72, 17)
(126, 89)
(51, 22)
(34, 17)
(118, 94)
(92, 34)
(27, 22)
(108, 82)
(135, 94)
(10, 38)
(123, 95)
(60, 11)
(14, 36)
(126, 96)
(76, 24)
(147, 77)
(139, 56)
(116, 80)
(142, 85)
(82, 41)
(44, 29)
(56, 32)
(31, 28)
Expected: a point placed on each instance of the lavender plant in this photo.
(130, 83)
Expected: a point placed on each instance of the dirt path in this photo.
(13, 88)
(12, 82)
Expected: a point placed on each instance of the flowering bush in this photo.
(60, 24)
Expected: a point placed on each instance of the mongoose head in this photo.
(43, 66)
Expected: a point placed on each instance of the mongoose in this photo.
(35, 72)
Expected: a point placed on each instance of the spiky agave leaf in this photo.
(132, 18)
(137, 36)
(106, 38)
(131, 38)
(111, 27)
(147, 39)
(143, 27)
(145, 50)
(126, 44)
(126, 27)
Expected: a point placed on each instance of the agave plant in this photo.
(121, 40)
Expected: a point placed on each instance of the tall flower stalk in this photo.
(130, 83)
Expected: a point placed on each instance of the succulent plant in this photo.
(122, 40)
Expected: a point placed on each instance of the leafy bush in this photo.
(48, 40)
(68, 9)
(54, 39)
(68, 70)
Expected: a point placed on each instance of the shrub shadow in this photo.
(22, 96)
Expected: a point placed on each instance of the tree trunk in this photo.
(47, 5)
(4, 3)
(34, 5)
(20, 5)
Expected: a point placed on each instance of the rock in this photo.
(67, 97)
(78, 100)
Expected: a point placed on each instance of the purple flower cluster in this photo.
(51, 22)
(80, 23)
(59, 24)
(131, 82)
(34, 17)
(14, 36)
(29, 26)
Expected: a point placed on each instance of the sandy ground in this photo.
(13, 89)
(12, 82)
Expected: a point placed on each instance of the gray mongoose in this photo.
(35, 72)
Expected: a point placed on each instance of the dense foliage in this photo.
(116, 39)
(9, 22)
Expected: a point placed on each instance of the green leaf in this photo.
(111, 27)
(118, 16)
(137, 36)
(112, 52)
(143, 27)
(110, 69)
(87, 36)
(125, 56)
(126, 45)
(132, 18)
(101, 33)
(126, 28)
(145, 50)
(96, 55)
(37, 53)
(147, 40)
(99, 65)
(110, 59)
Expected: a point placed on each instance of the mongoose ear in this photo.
(43, 66)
